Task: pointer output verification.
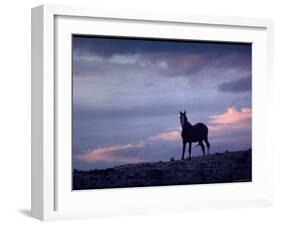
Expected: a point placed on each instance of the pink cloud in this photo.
(232, 116)
(230, 121)
(188, 62)
(191, 60)
(171, 135)
(109, 154)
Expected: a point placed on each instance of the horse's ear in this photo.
(184, 112)
(180, 112)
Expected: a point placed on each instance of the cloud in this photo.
(92, 63)
(171, 135)
(122, 59)
(94, 54)
(107, 46)
(115, 153)
(232, 128)
(232, 117)
(236, 86)
(185, 65)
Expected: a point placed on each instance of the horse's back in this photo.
(201, 128)
(195, 133)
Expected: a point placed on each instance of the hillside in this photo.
(216, 168)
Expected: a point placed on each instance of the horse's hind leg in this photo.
(208, 144)
(202, 147)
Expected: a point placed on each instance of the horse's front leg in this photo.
(183, 150)
(189, 150)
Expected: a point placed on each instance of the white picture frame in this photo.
(52, 197)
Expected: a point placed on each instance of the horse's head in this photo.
(183, 118)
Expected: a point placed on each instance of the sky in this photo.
(127, 94)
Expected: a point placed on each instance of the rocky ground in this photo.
(215, 168)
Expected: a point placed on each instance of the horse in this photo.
(193, 133)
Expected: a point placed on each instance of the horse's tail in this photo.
(208, 144)
(206, 139)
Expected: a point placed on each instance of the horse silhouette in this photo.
(193, 133)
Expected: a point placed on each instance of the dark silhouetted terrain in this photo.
(216, 168)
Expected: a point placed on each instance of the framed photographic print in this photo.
(140, 112)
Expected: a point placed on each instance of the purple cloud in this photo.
(236, 86)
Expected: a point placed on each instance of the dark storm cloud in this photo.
(175, 58)
(110, 46)
(236, 86)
